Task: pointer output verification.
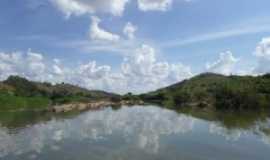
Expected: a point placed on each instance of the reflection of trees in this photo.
(229, 119)
(22, 119)
(232, 124)
(260, 128)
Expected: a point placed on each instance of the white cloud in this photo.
(141, 62)
(143, 72)
(81, 7)
(9, 64)
(129, 30)
(263, 55)
(34, 64)
(224, 65)
(92, 71)
(154, 5)
(263, 48)
(140, 71)
(57, 70)
(114, 7)
(29, 65)
(179, 72)
(98, 34)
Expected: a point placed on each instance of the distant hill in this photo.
(216, 91)
(17, 92)
(207, 91)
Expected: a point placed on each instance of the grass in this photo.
(12, 102)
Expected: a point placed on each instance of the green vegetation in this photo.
(11, 102)
(215, 91)
(206, 91)
(18, 93)
(130, 97)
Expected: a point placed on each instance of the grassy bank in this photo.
(17, 93)
(11, 102)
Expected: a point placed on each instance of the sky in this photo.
(132, 45)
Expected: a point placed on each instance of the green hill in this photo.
(20, 93)
(207, 91)
(216, 91)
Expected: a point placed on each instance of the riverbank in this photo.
(78, 106)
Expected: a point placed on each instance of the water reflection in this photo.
(261, 129)
(120, 133)
(140, 126)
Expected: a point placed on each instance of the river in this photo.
(134, 133)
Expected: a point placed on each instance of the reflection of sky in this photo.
(232, 135)
(265, 135)
(236, 134)
(139, 127)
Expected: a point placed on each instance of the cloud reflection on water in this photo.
(142, 126)
(138, 127)
(235, 134)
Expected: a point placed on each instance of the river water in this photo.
(134, 133)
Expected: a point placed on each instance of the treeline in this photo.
(216, 91)
(17, 92)
(205, 91)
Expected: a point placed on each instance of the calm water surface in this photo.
(139, 133)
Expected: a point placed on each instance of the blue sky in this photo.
(189, 33)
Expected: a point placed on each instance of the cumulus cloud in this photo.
(140, 71)
(98, 34)
(263, 48)
(35, 65)
(81, 7)
(263, 55)
(92, 71)
(57, 70)
(129, 30)
(29, 65)
(179, 72)
(154, 5)
(141, 62)
(224, 65)
(113, 7)
(9, 64)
